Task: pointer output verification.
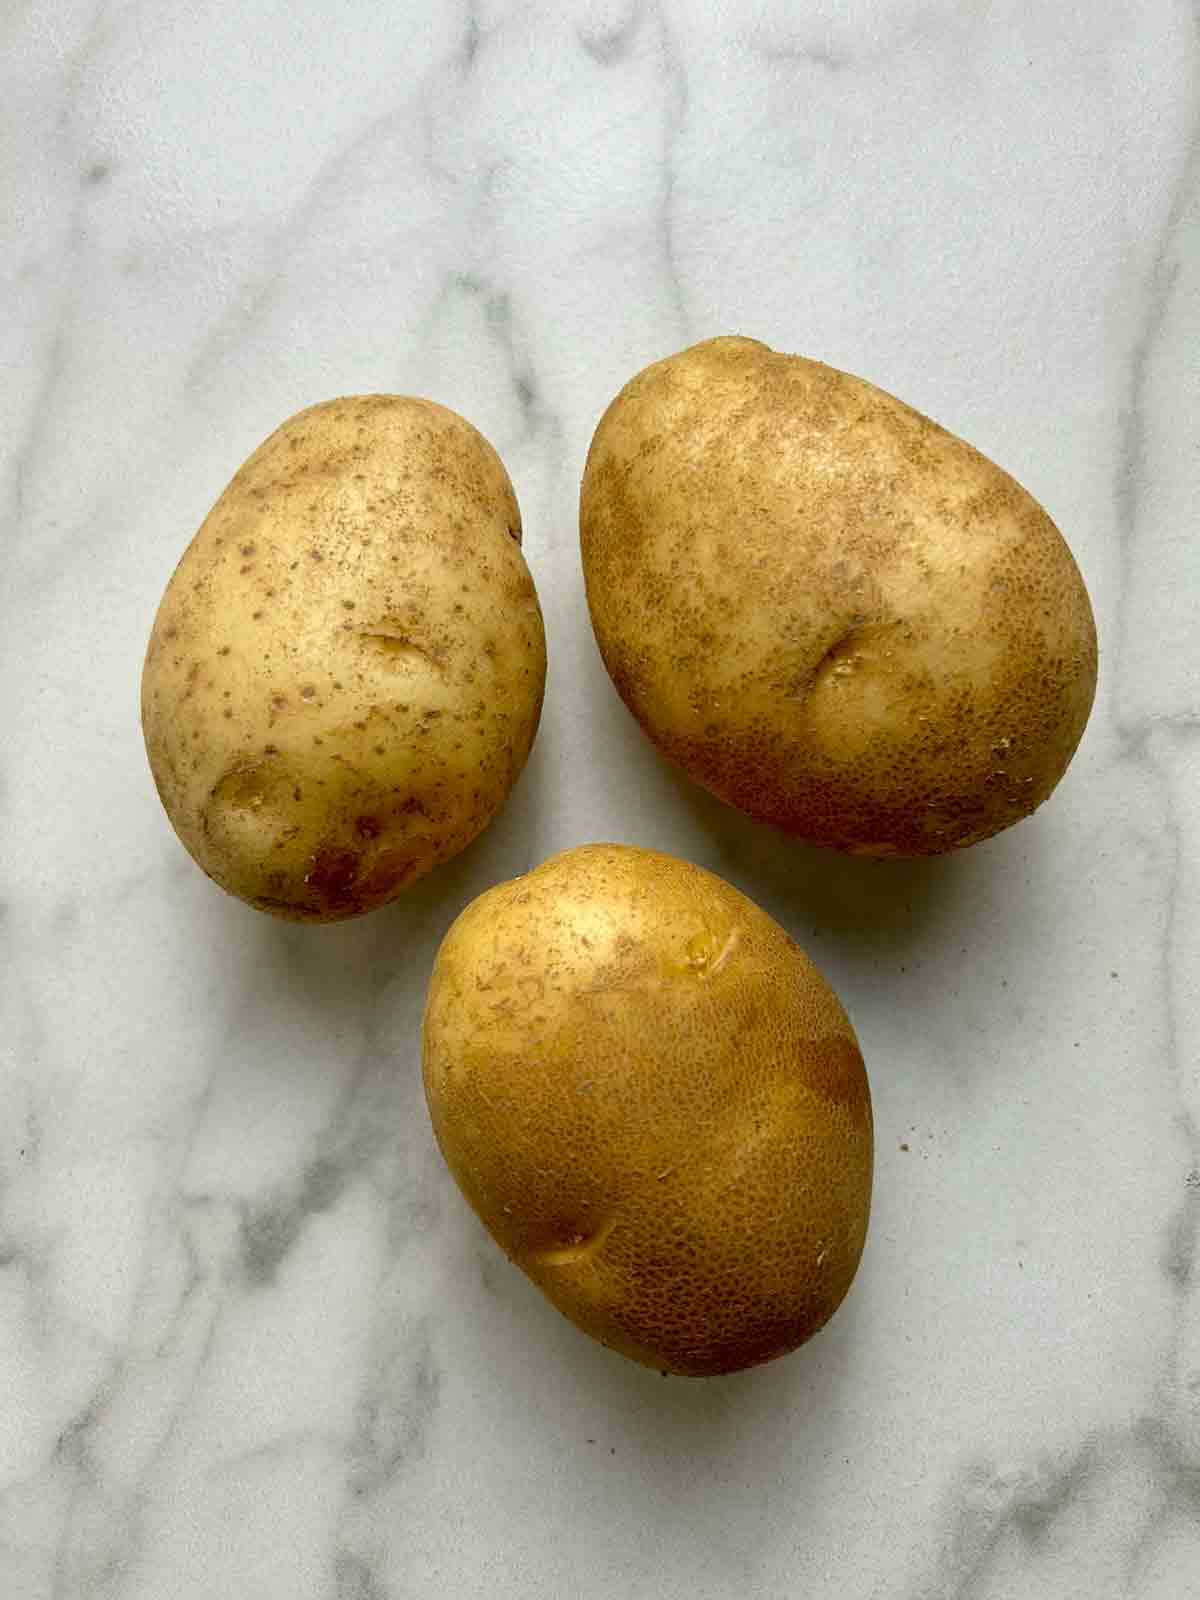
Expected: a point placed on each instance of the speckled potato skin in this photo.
(656, 1105)
(828, 610)
(345, 674)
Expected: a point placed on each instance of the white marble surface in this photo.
(252, 1344)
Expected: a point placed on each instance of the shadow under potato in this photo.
(674, 1431)
(867, 903)
(864, 901)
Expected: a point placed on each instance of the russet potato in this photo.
(656, 1105)
(345, 675)
(828, 610)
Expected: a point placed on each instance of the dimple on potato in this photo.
(656, 1105)
(345, 674)
(827, 609)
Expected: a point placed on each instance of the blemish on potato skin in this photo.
(332, 875)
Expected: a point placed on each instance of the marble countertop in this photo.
(252, 1342)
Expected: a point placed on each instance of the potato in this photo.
(828, 610)
(345, 675)
(655, 1103)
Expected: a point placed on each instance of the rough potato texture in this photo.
(655, 1103)
(345, 675)
(828, 610)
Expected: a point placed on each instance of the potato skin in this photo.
(655, 1104)
(345, 675)
(828, 610)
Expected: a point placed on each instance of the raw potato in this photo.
(655, 1103)
(346, 671)
(827, 609)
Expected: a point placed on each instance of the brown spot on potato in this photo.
(332, 875)
(391, 872)
(833, 1067)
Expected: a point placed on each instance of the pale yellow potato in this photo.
(345, 674)
(828, 610)
(656, 1105)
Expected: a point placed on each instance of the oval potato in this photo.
(345, 675)
(828, 610)
(656, 1105)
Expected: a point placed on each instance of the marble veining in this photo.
(252, 1342)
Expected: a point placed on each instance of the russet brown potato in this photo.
(656, 1105)
(345, 675)
(828, 610)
